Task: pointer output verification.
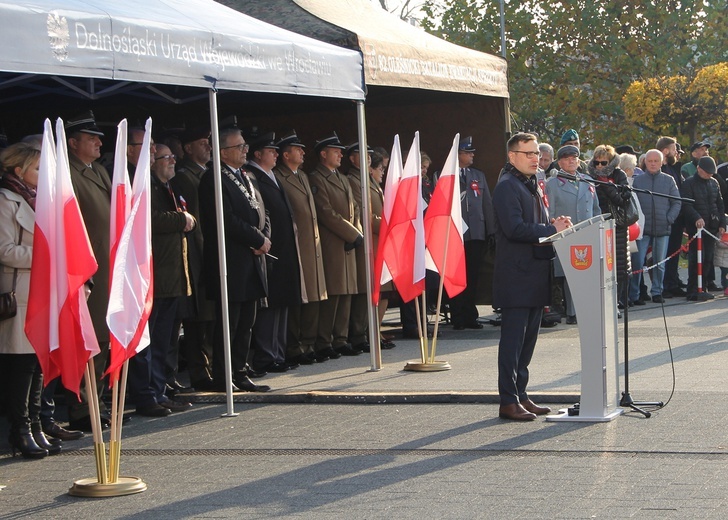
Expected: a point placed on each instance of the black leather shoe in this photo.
(305, 359)
(292, 364)
(636, 302)
(84, 424)
(327, 353)
(58, 432)
(678, 291)
(362, 347)
(658, 299)
(256, 373)
(203, 385)
(244, 383)
(277, 367)
(153, 410)
(175, 406)
(387, 344)
(571, 320)
(347, 350)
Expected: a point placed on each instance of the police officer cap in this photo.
(290, 140)
(354, 147)
(330, 141)
(466, 144)
(567, 151)
(84, 122)
(264, 141)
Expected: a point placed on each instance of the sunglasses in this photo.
(601, 163)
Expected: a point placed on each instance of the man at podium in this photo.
(521, 279)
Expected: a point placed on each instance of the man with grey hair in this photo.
(660, 213)
(546, 157)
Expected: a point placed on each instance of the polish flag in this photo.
(444, 226)
(131, 286)
(58, 323)
(404, 248)
(382, 272)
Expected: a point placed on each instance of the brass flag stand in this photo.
(107, 482)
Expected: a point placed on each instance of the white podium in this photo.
(586, 252)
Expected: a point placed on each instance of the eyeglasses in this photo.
(601, 163)
(167, 156)
(242, 147)
(134, 144)
(530, 155)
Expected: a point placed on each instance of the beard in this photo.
(671, 160)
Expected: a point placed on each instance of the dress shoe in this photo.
(658, 299)
(307, 359)
(515, 412)
(636, 302)
(53, 429)
(571, 320)
(532, 407)
(177, 386)
(347, 350)
(256, 373)
(175, 406)
(153, 410)
(548, 323)
(203, 385)
(275, 367)
(678, 291)
(244, 383)
(292, 364)
(645, 297)
(327, 353)
(387, 344)
(362, 347)
(84, 424)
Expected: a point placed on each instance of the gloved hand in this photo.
(348, 246)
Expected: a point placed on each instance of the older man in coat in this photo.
(92, 185)
(340, 234)
(521, 280)
(246, 241)
(303, 319)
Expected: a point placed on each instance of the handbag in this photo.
(626, 215)
(8, 303)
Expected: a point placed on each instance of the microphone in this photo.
(563, 175)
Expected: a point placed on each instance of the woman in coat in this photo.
(22, 374)
(604, 166)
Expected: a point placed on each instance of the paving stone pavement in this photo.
(319, 447)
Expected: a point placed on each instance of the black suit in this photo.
(246, 228)
(284, 274)
(521, 282)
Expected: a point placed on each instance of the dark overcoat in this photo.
(284, 274)
(245, 230)
(520, 279)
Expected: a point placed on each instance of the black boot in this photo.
(53, 447)
(21, 440)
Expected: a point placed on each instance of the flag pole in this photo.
(439, 293)
(423, 340)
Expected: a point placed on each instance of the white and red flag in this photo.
(444, 226)
(58, 323)
(131, 286)
(403, 247)
(382, 273)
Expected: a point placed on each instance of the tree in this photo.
(693, 107)
(571, 61)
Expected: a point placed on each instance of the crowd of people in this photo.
(296, 287)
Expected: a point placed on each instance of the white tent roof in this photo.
(175, 42)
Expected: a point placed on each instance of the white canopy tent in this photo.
(192, 43)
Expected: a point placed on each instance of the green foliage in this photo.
(572, 61)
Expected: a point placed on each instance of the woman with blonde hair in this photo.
(604, 167)
(22, 374)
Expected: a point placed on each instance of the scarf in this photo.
(12, 182)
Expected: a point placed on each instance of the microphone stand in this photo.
(627, 400)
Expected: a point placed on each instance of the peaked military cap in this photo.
(290, 140)
(466, 144)
(84, 122)
(331, 141)
(264, 141)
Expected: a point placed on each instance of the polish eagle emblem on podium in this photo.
(581, 257)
